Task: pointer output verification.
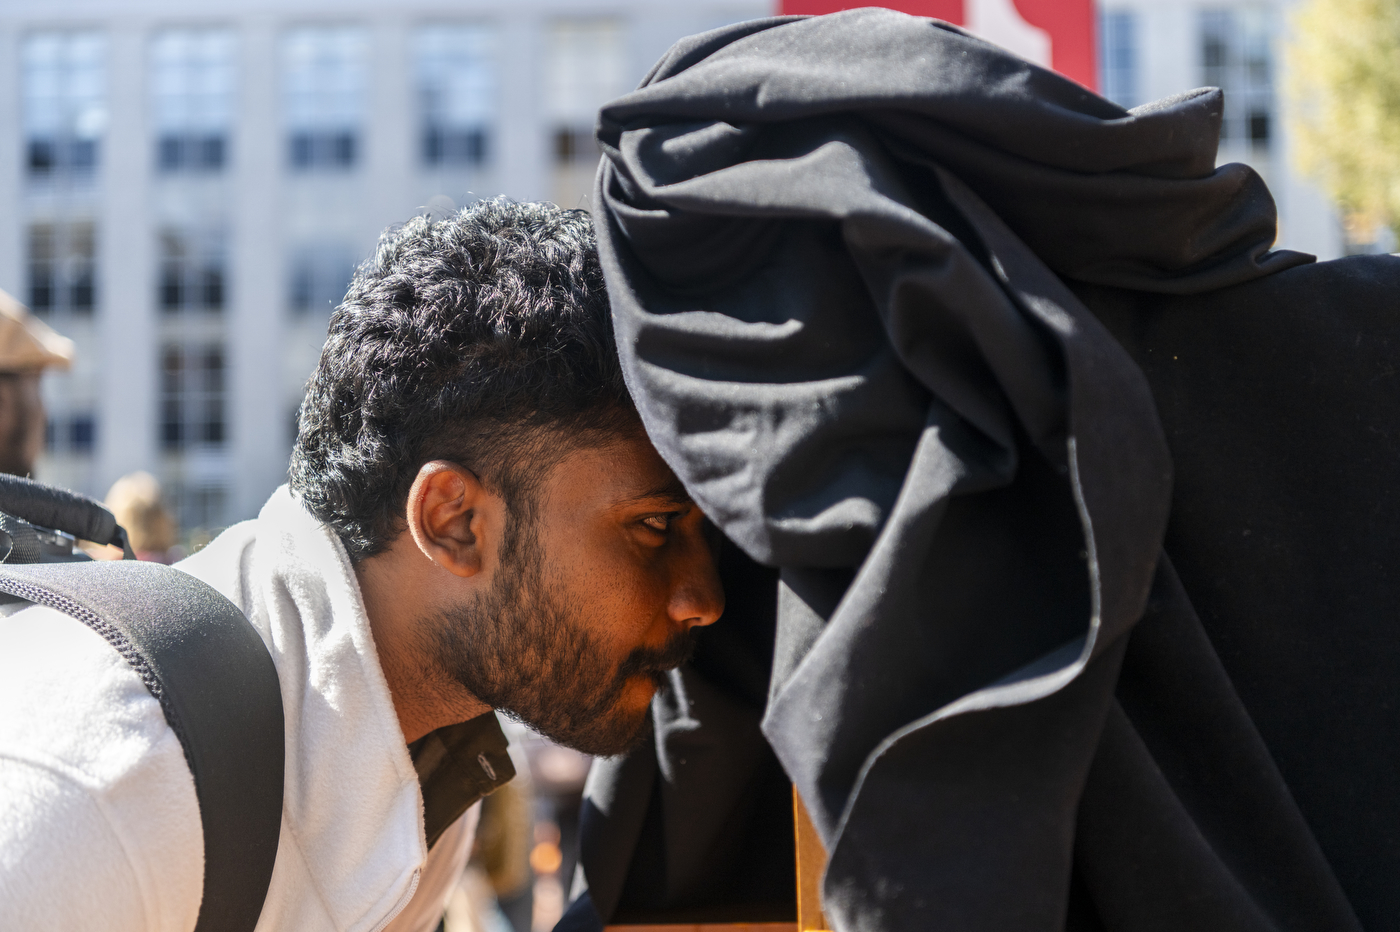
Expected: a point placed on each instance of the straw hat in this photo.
(27, 343)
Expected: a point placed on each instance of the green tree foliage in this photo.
(1343, 86)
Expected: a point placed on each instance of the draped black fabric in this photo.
(838, 251)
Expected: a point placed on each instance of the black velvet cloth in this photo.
(896, 307)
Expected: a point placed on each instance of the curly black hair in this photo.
(484, 339)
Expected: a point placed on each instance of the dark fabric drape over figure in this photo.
(894, 304)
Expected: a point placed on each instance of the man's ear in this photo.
(453, 518)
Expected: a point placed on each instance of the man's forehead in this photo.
(626, 471)
(669, 489)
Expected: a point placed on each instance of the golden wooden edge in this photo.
(811, 864)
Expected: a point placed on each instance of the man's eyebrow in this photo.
(671, 491)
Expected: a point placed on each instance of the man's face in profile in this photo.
(596, 595)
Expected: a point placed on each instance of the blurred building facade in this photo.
(185, 190)
(1150, 49)
(185, 193)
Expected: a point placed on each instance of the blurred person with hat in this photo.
(28, 346)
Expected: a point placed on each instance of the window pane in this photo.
(212, 289)
(171, 287)
(82, 433)
(211, 152)
(62, 267)
(83, 240)
(1236, 56)
(171, 427)
(320, 276)
(1259, 127)
(214, 369)
(193, 81)
(64, 97)
(42, 254)
(172, 390)
(41, 290)
(172, 368)
(200, 508)
(168, 152)
(586, 68)
(191, 271)
(83, 291)
(1118, 57)
(192, 395)
(457, 92)
(323, 89)
(43, 158)
(344, 149)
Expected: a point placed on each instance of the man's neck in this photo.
(425, 696)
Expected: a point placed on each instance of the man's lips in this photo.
(656, 662)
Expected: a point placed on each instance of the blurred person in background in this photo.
(494, 893)
(502, 851)
(28, 346)
(558, 773)
(138, 505)
(526, 842)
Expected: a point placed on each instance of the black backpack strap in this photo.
(206, 665)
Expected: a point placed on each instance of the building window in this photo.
(200, 509)
(456, 92)
(192, 87)
(323, 96)
(1236, 56)
(62, 261)
(191, 276)
(320, 277)
(191, 396)
(1118, 57)
(74, 434)
(587, 67)
(65, 102)
(82, 434)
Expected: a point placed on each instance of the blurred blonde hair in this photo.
(135, 500)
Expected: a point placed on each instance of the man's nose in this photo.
(697, 598)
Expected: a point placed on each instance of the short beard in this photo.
(525, 648)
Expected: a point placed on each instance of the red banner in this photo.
(1059, 34)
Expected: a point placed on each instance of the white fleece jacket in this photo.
(99, 825)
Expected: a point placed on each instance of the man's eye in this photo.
(660, 523)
